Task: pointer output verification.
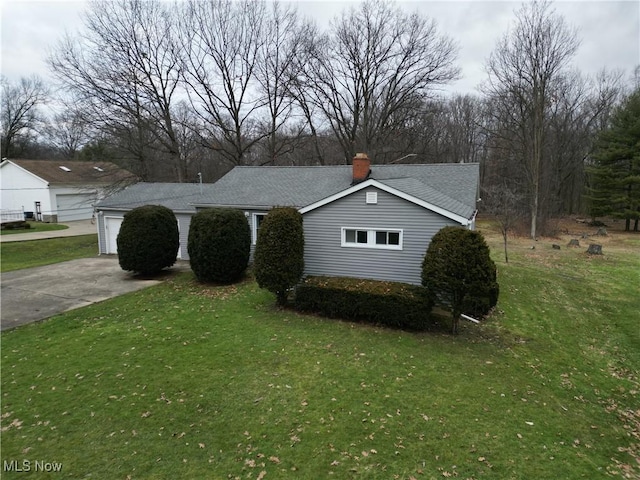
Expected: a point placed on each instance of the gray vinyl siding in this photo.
(324, 254)
(184, 221)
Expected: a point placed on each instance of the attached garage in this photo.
(178, 197)
(111, 228)
(77, 206)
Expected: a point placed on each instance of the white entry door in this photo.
(112, 227)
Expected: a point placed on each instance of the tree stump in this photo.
(594, 249)
(555, 246)
(573, 243)
(584, 235)
(602, 232)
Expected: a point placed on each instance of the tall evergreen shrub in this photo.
(459, 274)
(279, 254)
(148, 239)
(219, 245)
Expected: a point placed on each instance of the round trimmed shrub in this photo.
(148, 240)
(458, 273)
(279, 255)
(219, 245)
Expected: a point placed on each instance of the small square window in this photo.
(394, 238)
(362, 236)
(350, 236)
(381, 238)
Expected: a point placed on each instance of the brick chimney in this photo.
(361, 168)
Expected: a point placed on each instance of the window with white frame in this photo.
(257, 219)
(386, 238)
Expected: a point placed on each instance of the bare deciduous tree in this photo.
(280, 52)
(125, 69)
(221, 41)
(501, 202)
(375, 62)
(19, 113)
(523, 69)
(67, 131)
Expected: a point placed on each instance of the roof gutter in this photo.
(241, 207)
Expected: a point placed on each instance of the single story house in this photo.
(57, 191)
(360, 220)
(179, 197)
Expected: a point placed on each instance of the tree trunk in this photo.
(534, 215)
(504, 236)
(594, 249)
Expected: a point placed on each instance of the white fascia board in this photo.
(26, 171)
(393, 191)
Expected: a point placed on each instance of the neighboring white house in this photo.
(57, 191)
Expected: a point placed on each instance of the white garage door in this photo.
(112, 227)
(77, 206)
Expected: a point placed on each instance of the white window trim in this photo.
(254, 226)
(371, 238)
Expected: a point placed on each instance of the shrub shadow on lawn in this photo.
(164, 274)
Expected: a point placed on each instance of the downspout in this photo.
(472, 221)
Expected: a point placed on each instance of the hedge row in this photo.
(391, 304)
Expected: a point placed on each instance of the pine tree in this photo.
(615, 174)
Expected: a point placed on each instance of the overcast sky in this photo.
(609, 30)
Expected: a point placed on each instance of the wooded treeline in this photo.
(170, 90)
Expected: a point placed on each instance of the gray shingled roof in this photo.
(179, 197)
(450, 186)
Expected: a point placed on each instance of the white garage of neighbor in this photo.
(58, 191)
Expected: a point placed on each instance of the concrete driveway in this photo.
(37, 293)
(78, 227)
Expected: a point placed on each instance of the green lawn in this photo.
(190, 381)
(35, 227)
(34, 253)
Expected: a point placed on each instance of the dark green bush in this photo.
(459, 274)
(279, 256)
(148, 239)
(219, 245)
(392, 304)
